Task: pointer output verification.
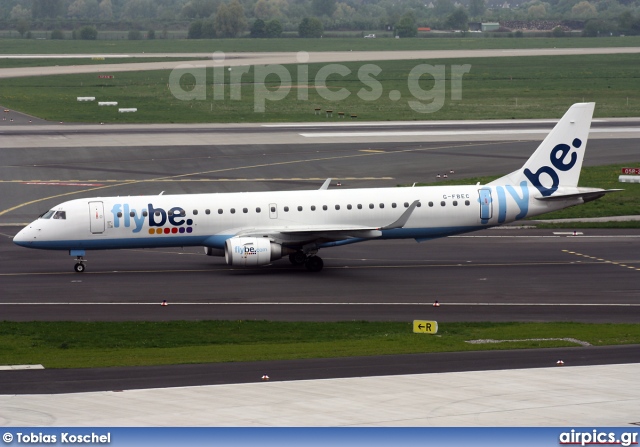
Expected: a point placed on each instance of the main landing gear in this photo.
(313, 263)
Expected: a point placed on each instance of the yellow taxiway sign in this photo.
(425, 327)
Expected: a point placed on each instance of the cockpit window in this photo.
(60, 215)
(48, 214)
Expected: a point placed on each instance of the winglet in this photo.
(403, 219)
(326, 184)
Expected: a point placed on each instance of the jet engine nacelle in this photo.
(249, 251)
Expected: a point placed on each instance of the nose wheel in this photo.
(80, 267)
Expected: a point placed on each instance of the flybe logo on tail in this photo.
(158, 220)
(557, 158)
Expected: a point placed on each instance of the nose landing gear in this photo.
(80, 267)
(80, 261)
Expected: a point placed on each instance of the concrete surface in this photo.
(606, 395)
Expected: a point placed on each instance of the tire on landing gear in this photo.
(314, 263)
(297, 258)
(79, 267)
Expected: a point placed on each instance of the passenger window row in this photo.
(286, 209)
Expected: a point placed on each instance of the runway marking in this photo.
(415, 123)
(433, 133)
(53, 183)
(293, 270)
(577, 237)
(19, 367)
(279, 179)
(490, 340)
(503, 237)
(321, 303)
(604, 261)
(421, 133)
(237, 168)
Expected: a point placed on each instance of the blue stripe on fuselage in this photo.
(108, 244)
(218, 241)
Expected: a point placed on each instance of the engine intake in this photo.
(250, 251)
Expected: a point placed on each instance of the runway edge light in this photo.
(425, 327)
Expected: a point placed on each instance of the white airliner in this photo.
(251, 229)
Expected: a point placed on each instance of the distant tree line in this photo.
(270, 18)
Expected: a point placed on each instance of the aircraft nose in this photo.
(25, 237)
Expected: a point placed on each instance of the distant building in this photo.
(489, 26)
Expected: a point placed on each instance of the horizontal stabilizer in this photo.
(586, 194)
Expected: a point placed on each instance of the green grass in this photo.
(78, 345)
(514, 87)
(50, 62)
(25, 46)
(622, 203)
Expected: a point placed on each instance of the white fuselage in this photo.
(256, 228)
(209, 219)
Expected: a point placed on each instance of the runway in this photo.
(494, 275)
(369, 135)
(246, 59)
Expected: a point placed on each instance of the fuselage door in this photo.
(273, 211)
(486, 206)
(96, 217)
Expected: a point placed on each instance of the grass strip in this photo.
(494, 88)
(100, 344)
(26, 46)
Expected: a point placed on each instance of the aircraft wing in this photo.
(324, 233)
(309, 234)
